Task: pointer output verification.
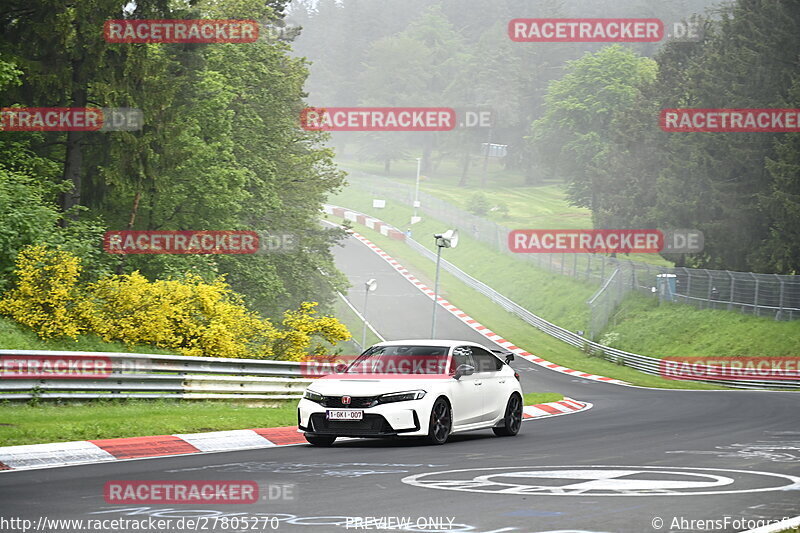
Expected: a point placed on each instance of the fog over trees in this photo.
(586, 114)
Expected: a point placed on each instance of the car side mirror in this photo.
(509, 358)
(340, 368)
(464, 370)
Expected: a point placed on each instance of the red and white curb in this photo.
(392, 232)
(564, 407)
(34, 456)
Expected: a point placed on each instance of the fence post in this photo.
(688, 285)
(755, 301)
(733, 287)
(589, 265)
(574, 265)
(779, 314)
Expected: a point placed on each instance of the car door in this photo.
(493, 388)
(466, 392)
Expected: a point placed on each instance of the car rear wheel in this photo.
(441, 422)
(320, 440)
(512, 421)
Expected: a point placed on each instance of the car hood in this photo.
(374, 384)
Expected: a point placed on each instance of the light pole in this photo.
(369, 286)
(414, 219)
(448, 239)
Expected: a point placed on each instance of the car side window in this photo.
(485, 361)
(462, 355)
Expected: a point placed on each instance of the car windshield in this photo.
(401, 359)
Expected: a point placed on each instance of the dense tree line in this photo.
(220, 149)
(587, 113)
(741, 189)
(452, 53)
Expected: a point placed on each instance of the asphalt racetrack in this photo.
(639, 461)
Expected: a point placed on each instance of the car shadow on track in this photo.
(410, 442)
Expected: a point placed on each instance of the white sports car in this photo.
(414, 388)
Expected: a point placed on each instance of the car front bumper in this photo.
(408, 418)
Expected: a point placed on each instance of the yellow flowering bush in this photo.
(300, 326)
(190, 316)
(46, 292)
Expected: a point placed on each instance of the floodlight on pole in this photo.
(448, 239)
(369, 286)
(415, 218)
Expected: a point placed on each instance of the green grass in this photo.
(354, 324)
(560, 298)
(15, 336)
(46, 422)
(543, 206)
(532, 398)
(670, 329)
(510, 326)
(641, 325)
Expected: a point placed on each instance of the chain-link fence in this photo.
(768, 295)
(605, 301)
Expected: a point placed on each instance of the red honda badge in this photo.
(346, 400)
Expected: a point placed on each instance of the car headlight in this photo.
(401, 396)
(313, 396)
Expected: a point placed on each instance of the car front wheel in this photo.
(512, 421)
(441, 422)
(320, 440)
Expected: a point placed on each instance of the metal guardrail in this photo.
(768, 295)
(135, 375)
(642, 363)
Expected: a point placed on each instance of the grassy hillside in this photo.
(510, 326)
(642, 326)
(14, 336)
(557, 297)
(541, 206)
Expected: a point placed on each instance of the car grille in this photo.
(356, 402)
(371, 425)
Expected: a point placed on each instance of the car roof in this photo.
(429, 342)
